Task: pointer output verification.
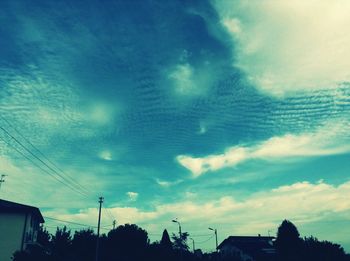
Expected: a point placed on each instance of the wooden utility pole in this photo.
(100, 201)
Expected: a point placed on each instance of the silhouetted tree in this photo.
(44, 238)
(180, 241)
(128, 242)
(315, 250)
(161, 250)
(32, 253)
(61, 244)
(288, 243)
(165, 242)
(84, 245)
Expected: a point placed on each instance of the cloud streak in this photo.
(289, 146)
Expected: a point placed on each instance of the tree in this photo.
(165, 242)
(61, 244)
(84, 245)
(32, 253)
(288, 243)
(128, 242)
(44, 238)
(322, 250)
(180, 241)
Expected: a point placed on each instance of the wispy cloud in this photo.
(288, 46)
(105, 155)
(132, 195)
(289, 146)
(167, 184)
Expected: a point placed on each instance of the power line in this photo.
(71, 228)
(37, 165)
(73, 223)
(43, 155)
(201, 235)
(68, 183)
(110, 215)
(201, 242)
(69, 222)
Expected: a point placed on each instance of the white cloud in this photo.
(183, 77)
(286, 46)
(132, 195)
(166, 184)
(199, 166)
(193, 80)
(323, 142)
(301, 202)
(106, 155)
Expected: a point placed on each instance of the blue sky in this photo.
(230, 114)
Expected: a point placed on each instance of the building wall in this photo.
(11, 234)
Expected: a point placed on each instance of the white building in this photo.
(19, 225)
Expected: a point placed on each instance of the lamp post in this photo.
(216, 236)
(176, 221)
(194, 247)
(2, 180)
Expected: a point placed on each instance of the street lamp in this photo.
(176, 221)
(194, 247)
(2, 180)
(216, 236)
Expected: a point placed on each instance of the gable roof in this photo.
(254, 245)
(8, 206)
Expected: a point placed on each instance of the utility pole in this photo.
(100, 201)
(2, 179)
(114, 222)
(216, 237)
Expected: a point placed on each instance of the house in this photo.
(19, 225)
(249, 248)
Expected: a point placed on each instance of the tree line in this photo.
(131, 243)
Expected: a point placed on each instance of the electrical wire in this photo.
(43, 155)
(73, 223)
(66, 183)
(37, 165)
(204, 241)
(201, 235)
(110, 214)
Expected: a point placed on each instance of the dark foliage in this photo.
(165, 242)
(288, 242)
(180, 241)
(61, 244)
(84, 245)
(323, 250)
(124, 240)
(131, 243)
(33, 253)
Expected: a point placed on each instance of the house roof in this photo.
(254, 245)
(8, 206)
(246, 240)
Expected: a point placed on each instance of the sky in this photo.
(225, 114)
